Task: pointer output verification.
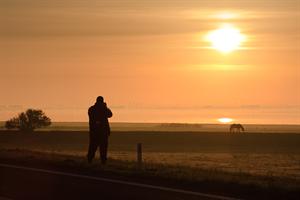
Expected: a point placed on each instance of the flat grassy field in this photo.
(233, 184)
(267, 154)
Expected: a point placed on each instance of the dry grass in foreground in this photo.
(264, 155)
(220, 181)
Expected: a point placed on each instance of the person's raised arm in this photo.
(108, 113)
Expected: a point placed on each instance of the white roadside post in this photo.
(139, 155)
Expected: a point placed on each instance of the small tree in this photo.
(28, 121)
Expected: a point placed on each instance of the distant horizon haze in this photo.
(247, 114)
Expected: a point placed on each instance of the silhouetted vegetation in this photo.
(28, 121)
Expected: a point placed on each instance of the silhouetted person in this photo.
(99, 129)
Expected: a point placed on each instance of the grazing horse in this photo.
(236, 128)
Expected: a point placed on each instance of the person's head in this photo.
(100, 99)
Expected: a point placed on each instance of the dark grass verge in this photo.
(241, 185)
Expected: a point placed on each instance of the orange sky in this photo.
(149, 60)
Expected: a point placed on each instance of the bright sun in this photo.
(226, 39)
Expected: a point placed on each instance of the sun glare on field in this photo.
(225, 120)
(226, 39)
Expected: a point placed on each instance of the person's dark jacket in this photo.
(98, 118)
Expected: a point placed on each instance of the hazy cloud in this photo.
(108, 18)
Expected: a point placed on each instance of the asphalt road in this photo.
(17, 182)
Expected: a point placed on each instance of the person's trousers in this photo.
(101, 141)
